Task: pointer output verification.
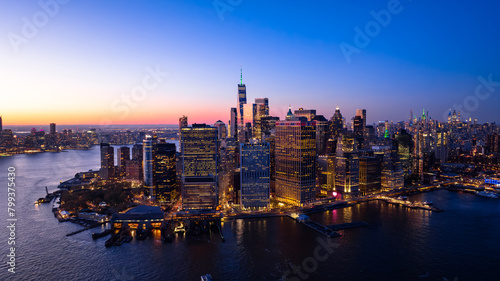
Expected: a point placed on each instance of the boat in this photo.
(487, 194)
(428, 203)
(101, 234)
(111, 240)
(206, 277)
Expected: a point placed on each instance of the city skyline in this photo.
(72, 71)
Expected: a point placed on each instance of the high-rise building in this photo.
(183, 123)
(52, 128)
(336, 124)
(404, 145)
(322, 128)
(260, 110)
(242, 100)
(1, 125)
(148, 168)
(295, 156)
(164, 177)
(221, 130)
(199, 148)
(233, 123)
(107, 161)
(123, 157)
(442, 146)
(309, 114)
(370, 173)
(254, 175)
(346, 167)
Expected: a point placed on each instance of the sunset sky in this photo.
(88, 62)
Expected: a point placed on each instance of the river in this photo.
(399, 244)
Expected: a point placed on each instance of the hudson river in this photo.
(461, 243)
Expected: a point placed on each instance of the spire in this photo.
(241, 74)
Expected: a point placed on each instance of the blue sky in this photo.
(79, 65)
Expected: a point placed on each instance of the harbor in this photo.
(303, 219)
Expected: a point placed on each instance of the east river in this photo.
(461, 243)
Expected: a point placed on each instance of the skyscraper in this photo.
(148, 163)
(52, 128)
(221, 130)
(309, 114)
(107, 161)
(295, 156)
(164, 177)
(336, 124)
(233, 124)
(242, 100)
(370, 173)
(199, 147)
(254, 175)
(346, 167)
(260, 110)
(123, 157)
(1, 126)
(183, 123)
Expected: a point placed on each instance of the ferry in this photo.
(487, 194)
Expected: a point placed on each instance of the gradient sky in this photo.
(80, 67)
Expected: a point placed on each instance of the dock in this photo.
(86, 228)
(408, 204)
(314, 225)
(354, 224)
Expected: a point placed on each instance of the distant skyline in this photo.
(80, 62)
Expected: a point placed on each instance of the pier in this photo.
(408, 204)
(314, 225)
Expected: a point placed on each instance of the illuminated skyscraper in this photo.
(336, 124)
(183, 123)
(233, 124)
(346, 167)
(221, 130)
(254, 175)
(370, 173)
(107, 161)
(199, 147)
(309, 114)
(295, 156)
(242, 100)
(123, 157)
(442, 146)
(260, 110)
(164, 177)
(322, 128)
(148, 163)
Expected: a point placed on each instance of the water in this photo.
(399, 244)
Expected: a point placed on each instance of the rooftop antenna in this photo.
(241, 74)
